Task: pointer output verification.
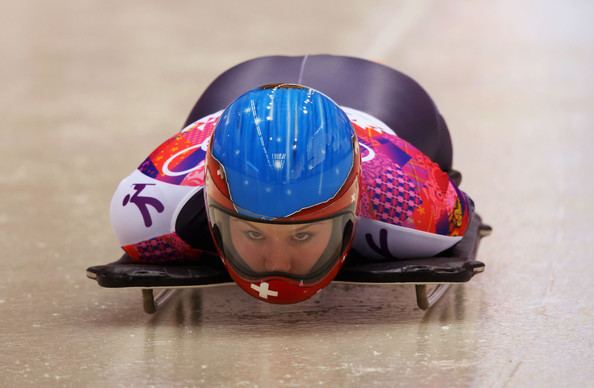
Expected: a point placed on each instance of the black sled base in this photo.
(455, 265)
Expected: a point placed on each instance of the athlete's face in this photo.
(293, 249)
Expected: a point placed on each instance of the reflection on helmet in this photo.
(281, 189)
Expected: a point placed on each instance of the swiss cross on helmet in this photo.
(281, 189)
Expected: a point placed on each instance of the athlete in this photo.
(280, 185)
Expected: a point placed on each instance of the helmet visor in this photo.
(302, 251)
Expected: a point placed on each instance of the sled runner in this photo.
(456, 265)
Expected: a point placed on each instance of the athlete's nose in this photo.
(277, 258)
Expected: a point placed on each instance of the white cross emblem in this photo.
(219, 172)
(263, 291)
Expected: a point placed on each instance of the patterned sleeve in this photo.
(146, 205)
(402, 186)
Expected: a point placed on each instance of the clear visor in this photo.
(301, 251)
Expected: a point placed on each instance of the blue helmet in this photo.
(283, 168)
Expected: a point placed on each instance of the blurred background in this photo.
(89, 88)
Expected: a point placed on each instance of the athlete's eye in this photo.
(302, 236)
(253, 235)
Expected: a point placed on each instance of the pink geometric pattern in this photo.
(394, 197)
(162, 249)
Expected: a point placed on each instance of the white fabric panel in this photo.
(401, 242)
(127, 220)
